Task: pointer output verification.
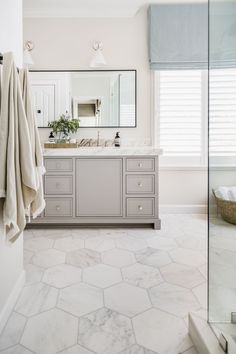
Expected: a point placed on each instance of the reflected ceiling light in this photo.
(98, 59)
(27, 58)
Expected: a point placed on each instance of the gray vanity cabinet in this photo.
(98, 187)
(92, 190)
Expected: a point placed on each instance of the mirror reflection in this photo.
(97, 98)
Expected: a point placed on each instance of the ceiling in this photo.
(85, 8)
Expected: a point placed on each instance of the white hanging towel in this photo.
(38, 204)
(18, 184)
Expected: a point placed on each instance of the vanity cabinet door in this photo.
(98, 187)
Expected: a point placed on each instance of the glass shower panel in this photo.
(222, 169)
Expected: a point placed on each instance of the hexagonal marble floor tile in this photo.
(113, 233)
(28, 234)
(52, 234)
(17, 349)
(76, 349)
(200, 292)
(137, 349)
(80, 299)
(105, 332)
(62, 275)
(153, 257)
(173, 299)
(38, 244)
(33, 274)
(188, 257)
(127, 299)
(83, 258)
(130, 243)
(50, 332)
(13, 330)
(49, 258)
(36, 298)
(180, 274)
(84, 234)
(28, 255)
(102, 275)
(194, 243)
(142, 275)
(162, 243)
(68, 244)
(100, 244)
(159, 331)
(118, 258)
(142, 233)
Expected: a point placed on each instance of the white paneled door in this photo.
(43, 103)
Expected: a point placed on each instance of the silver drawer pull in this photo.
(140, 184)
(140, 207)
(140, 164)
(58, 207)
(58, 165)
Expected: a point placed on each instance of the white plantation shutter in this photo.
(222, 110)
(180, 112)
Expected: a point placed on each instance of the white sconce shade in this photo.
(98, 59)
(27, 58)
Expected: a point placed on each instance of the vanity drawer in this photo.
(58, 184)
(140, 207)
(57, 165)
(135, 165)
(58, 207)
(140, 184)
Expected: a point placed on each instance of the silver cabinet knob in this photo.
(140, 207)
(140, 184)
(58, 207)
(140, 164)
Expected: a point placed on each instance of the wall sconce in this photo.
(98, 59)
(27, 58)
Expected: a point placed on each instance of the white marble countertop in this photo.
(104, 151)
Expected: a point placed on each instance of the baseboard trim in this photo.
(11, 301)
(183, 209)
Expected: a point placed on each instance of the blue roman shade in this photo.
(178, 36)
(222, 34)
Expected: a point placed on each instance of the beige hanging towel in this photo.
(18, 183)
(38, 204)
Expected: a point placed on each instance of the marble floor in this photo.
(110, 291)
(222, 290)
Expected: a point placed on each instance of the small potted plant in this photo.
(63, 127)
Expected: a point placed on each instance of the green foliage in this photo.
(64, 125)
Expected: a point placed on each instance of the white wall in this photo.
(67, 44)
(183, 190)
(11, 28)
(11, 257)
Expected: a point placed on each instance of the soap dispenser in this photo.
(117, 139)
(51, 137)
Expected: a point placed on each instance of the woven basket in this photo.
(227, 209)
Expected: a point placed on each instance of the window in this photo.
(181, 107)
(222, 114)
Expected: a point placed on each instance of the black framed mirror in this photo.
(98, 98)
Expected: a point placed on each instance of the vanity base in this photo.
(101, 190)
(94, 224)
